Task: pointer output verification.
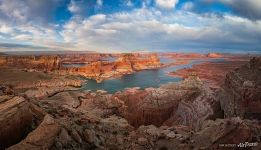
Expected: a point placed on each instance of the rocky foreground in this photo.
(184, 115)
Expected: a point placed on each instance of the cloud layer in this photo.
(155, 26)
(247, 8)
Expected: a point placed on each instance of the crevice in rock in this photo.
(17, 121)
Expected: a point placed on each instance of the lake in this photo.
(142, 79)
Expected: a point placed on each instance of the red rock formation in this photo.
(151, 106)
(81, 58)
(240, 95)
(127, 63)
(94, 120)
(45, 63)
(214, 55)
(212, 73)
(187, 103)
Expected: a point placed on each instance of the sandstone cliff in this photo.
(241, 92)
(125, 64)
(43, 63)
(214, 55)
(180, 115)
(186, 103)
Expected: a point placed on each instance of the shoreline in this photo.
(211, 73)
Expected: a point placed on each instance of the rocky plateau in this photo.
(47, 113)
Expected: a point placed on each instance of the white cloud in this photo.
(150, 29)
(146, 3)
(78, 7)
(188, 6)
(6, 29)
(129, 3)
(74, 7)
(23, 37)
(144, 28)
(99, 3)
(166, 4)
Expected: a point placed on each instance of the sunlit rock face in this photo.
(43, 63)
(214, 55)
(125, 64)
(241, 94)
(95, 68)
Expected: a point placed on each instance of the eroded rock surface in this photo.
(42, 137)
(46, 63)
(241, 92)
(184, 115)
(125, 64)
(186, 103)
(15, 119)
(218, 134)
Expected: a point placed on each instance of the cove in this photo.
(142, 79)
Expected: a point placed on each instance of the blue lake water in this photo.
(73, 65)
(142, 79)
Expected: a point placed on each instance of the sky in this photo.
(131, 25)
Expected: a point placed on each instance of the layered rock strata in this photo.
(173, 116)
(96, 69)
(241, 92)
(15, 119)
(45, 63)
(125, 64)
(186, 103)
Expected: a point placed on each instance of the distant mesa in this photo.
(214, 55)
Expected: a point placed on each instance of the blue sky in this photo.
(131, 25)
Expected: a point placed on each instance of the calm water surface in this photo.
(142, 79)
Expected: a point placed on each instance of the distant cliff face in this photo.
(241, 93)
(96, 69)
(214, 55)
(125, 64)
(45, 63)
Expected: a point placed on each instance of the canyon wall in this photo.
(15, 120)
(241, 92)
(183, 115)
(186, 103)
(125, 64)
(45, 63)
(95, 67)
